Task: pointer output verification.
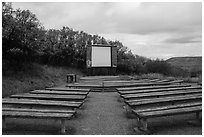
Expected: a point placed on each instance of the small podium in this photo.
(71, 78)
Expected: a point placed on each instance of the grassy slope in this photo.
(42, 76)
(187, 63)
(34, 77)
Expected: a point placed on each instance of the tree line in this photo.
(25, 40)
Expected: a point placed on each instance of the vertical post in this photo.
(75, 78)
(102, 86)
(197, 115)
(4, 122)
(63, 128)
(143, 124)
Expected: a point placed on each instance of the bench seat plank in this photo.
(167, 107)
(68, 89)
(124, 90)
(160, 90)
(174, 81)
(38, 110)
(162, 100)
(159, 94)
(49, 96)
(153, 80)
(41, 102)
(159, 113)
(165, 80)
(16, 114)
(58, 92)
(122, 81)
(119, 86)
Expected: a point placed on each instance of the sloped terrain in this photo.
(35, 76)
(187, 63)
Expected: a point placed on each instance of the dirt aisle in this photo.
(102, 114)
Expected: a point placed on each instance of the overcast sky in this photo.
(154, 30)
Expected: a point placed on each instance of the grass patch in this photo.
(33, 77)
(188, 79)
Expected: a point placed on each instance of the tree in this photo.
(22, 34)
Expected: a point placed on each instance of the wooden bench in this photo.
(135, 81)
(172, 100)
(175, 81)
(153, 80)
(160, 94)
(124, 90)
(49, 96)
(160, 81)
(38, 110)
(163, 102)
(159, 112)
(26, 113)
(124, 81)
(120, 86)
(159, 90)
(77, 86)
(68, 89)
(31, 102)
(166, 107)
(59, 92)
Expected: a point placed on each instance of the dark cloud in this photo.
(183, 40)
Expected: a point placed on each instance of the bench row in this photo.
(160, 94)
(50, 104)
(155, 88)
(36, 113)
(125, 85)
(158, 101)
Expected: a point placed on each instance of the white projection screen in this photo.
(101, 56)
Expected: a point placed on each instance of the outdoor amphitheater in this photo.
(107, 105)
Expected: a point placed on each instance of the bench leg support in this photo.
(197, 115)
(129, 112)
(63, 128)
(4, 123)
(197, 121)
(142, 126)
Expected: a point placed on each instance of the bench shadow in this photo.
(167, 123)
(32, 127)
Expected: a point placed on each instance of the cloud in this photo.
(183, 40)
(161, 17)
(155, 45)
(135, 18)
(149, 29)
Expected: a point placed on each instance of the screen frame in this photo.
(111, 56)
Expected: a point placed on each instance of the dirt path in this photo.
(102, 114)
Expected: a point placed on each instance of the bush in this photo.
(158, 66)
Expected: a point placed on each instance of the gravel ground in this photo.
(103, 114)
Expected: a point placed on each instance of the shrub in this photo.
(158, 66)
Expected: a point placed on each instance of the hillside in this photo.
(34, 76)
(187, 63)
